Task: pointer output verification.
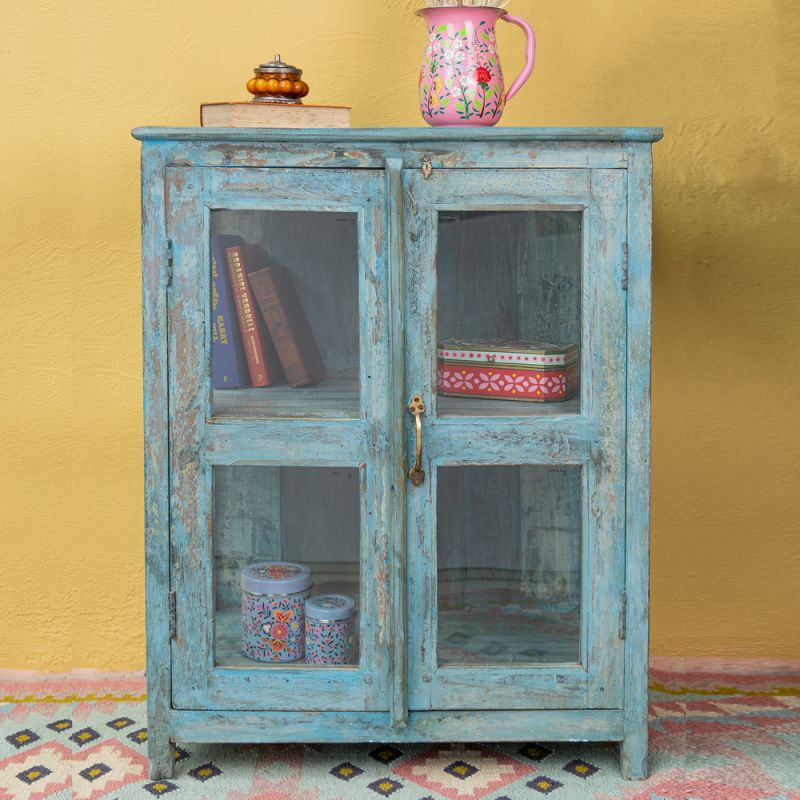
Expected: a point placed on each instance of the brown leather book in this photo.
(288, 326)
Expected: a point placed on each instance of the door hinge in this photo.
(623, 615)
(625, 265)
(169, 262)
(173, 623)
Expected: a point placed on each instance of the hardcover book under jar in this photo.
(506, 369)
(274, 594)
(330, 629)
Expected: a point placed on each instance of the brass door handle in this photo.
(417, 408)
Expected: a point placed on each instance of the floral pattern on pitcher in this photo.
(460, 73)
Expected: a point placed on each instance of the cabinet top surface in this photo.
(456, 134)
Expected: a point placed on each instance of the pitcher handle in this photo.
(530, 54)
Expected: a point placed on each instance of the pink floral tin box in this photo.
(505, 369)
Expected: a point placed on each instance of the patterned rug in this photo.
(717, 732)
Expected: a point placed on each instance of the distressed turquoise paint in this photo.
(637, 496)
(156, 461)
(397, 693)
(598, 725)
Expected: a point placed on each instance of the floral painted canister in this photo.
(506, 369)
(274, 594)
(330, 629)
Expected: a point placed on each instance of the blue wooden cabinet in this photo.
(502, 596)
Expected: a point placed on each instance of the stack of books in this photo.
(260, 334)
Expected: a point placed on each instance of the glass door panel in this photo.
(309, 516)
(285, 313)
(515, 343)
(290, 475)
(509, 311)
(509, 564)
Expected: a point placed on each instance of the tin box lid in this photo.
(330, 606)
(502, 351)
(276, 577)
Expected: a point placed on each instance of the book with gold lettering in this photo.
(228, 363)
(262, 361)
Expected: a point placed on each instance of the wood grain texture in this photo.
(301, 442)
(580, 195)
(396, 468)
(156, 460)
(603, 359)
(637, 479)
(191, 552)
(330, 398)
(594, 439)
(423, 726)
(457, 135)
(476, 407)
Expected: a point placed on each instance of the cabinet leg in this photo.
(161, 752)
(633, 756)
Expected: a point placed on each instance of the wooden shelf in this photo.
(338, 398)
(492, 638)
(331, 398)
(489, 407)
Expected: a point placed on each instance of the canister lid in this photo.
(276, 577)
(278, 66)
(330, 606)
(503, 351)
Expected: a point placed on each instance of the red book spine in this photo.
(245, 311)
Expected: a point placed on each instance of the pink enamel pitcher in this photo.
(461, 82)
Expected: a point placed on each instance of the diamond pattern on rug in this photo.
(544, 785)
(104, 768)
(449, 770)
(120, 722)
(181, 754)
(60, 725)
(139, 736)
(36, 773)
(535, 752)
(726, 735)
(580, 768)
(94, 772)
(386, 754)
(18, 774)
(385, 786)
(346, 771)
(157, 788)
(22, 738)
(205, 772)
(84, 736)
(461, 770)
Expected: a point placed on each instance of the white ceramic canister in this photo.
(330, 629)
(273, 610)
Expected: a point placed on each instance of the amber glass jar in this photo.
(277, 82)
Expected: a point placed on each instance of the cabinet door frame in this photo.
(199, 441)
(593, 439)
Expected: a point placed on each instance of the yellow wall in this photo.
(721, 76)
